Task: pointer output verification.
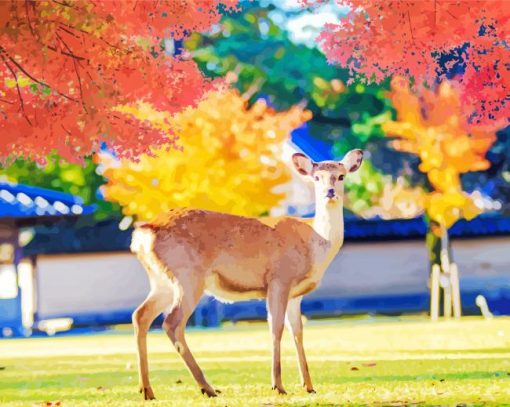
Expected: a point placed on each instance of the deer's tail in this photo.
(142, 239)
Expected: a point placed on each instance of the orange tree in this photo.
(65, 66)
(230, 159)
(434, 125)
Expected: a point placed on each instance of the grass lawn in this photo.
(388, 363)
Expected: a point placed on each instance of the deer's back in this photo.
(237, 254)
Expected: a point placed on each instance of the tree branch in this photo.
(75, 63)
(62, 27)
(18, 89)
(3, 51)
(336, 121)
(63, 3)
(67, 54)
(28, 18)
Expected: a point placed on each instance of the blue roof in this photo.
(317, 150)
(23, 201)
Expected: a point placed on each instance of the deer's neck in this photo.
(329, 222)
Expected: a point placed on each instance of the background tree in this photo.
(230, 160)
(66, 65)
(434, 125)
(425, 40)
(254, 48)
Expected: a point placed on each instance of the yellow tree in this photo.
(369, 194)
(434, 125)
(230, 159)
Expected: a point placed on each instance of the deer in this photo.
(188, 252)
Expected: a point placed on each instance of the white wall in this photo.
(402, 267)
(116, 281)
(69, 284)
(373, 268)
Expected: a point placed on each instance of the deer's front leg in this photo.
(295, 326)
(277, 298)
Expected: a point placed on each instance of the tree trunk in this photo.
(433, 242)
(438, 242)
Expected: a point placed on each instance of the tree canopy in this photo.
(434, 125)
(424, 40)
(65, 67)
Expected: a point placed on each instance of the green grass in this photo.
(416, 363)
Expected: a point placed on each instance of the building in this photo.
(89, 275)
(23, 207)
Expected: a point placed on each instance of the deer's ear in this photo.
(302, 164)
(352, 160)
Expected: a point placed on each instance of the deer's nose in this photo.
(331, 193)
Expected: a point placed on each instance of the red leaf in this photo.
(65, 67)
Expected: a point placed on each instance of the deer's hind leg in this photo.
(188, 291)
(143, 317)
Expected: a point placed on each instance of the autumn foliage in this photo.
(434, 125)
(371, 194)
(66, 65)
(423, 40)
(230, 160)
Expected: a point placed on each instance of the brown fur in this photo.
(264, 249)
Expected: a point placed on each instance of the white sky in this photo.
(305, 25)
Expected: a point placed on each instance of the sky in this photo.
(302, 24)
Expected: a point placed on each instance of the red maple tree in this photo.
(380, 38)
(65, 66)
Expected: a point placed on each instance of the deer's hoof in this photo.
(311, 391)
(147, 392)
(280, 390)
(210, 392)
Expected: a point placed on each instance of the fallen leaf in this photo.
(371, 364)
(354, 368)
(178, 381)
(101, 388)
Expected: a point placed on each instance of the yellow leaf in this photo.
(230, 159)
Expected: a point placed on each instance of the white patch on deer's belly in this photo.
(213, 287)
(304, 287)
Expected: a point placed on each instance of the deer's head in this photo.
(328, 176)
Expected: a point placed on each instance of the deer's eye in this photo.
(340, 177)
(316, 178)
